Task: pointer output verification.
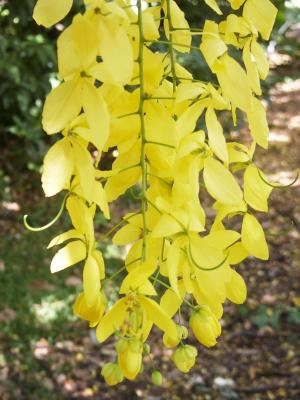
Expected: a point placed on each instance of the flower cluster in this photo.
(124, 89)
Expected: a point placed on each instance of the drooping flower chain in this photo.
(119, 92)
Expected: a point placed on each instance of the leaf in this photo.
(58, 167)
(220, 183)
(253, 237)
(62, 105)
(71, 254)
(49, 12)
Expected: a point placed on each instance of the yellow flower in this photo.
(184, 357)
(112, 374)
(205, 326)
(78, 67)
(49, 12)
(130, 357)
(126, 307)
(121, 97)
(92, 314)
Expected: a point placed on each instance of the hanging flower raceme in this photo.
(123, 89)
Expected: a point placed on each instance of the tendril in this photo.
(277, 185)
(54, 220)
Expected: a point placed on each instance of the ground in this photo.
(46, 353)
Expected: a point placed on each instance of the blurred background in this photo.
(46, 353)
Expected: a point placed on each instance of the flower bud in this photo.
(170, 341)
(205, 326)
(130, 360)
(156, 377)
(121, 345)
(136, 345)
(93, 314)
(112, 374)
(184, 357)
(146, 348)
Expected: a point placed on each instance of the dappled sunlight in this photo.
(11, 206)
(278, 137)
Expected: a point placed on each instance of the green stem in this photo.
(163, 259)
(143, 129)
(114, 228)
(55, 219)
(196, 80)
(167, 42)
(130, 167)
(171, 50)
(159, 98)
(128, 115)
(132, 262)
(155, 277)
(113, 276)
(170, 288)
(160, 144)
